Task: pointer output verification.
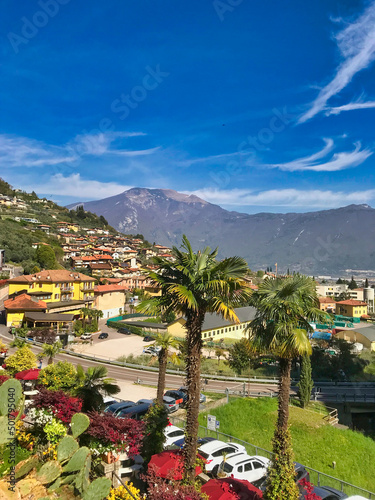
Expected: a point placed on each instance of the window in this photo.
(240, 468)
(221, 331)
(248, 466)
(57, 296)
(258, 465)
(226, 330)
(227, 468)
(40, 285)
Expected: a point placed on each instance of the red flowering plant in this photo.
(168, 488)
(59, 403)
(308, 490)
(3, 378)
(124, 434)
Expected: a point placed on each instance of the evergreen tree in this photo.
(288, 272)
(305, 383)
(46, 257)
(339, 282)
(353, 284)
(366, 283)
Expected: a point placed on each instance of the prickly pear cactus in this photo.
(79, 424)
(49, 472)
(99, 488)
(11, 399)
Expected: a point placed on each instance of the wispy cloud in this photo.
(338, 161)
(313, 198)
(356, 43)
(108, 143)
(16, 151)
(350, 107)
(75, 186)
(25, 152)
(212, 158)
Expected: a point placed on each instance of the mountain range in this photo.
(322, 242)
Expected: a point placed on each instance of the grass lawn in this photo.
(315, 443)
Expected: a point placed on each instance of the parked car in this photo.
(86, 336)
(172, 434)
(108, 401)
(202, 397)
(151, 349)
(147, 338)
(244, 466)
(170, 404)
(136, 412)
(103, 335)
(181, 442)
(327, 493)
(213, 452)
(115, 408)
(179, 396)
(125, 331)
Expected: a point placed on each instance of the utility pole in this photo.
(276, 268)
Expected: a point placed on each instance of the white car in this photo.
(243, 466)
(172, 434)
(213, 452)
(86, 336)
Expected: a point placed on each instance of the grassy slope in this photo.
(315, 444)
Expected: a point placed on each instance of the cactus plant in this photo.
(99, 488)
(11, 399)
(77, 462)
(49, 472)
(79, 424)
(66, 448)
(26, 466)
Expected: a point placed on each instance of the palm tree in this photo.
(191, 286)
(165, 341)
(51, 350)
(93, 385)
(85, 312)
(285, 308)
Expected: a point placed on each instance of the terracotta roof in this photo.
(326, 300)
(109, 288)
(24, 302)
(52, 276)
(101, 266)
(88, 258)
(352, 302)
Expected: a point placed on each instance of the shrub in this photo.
(62, 405)
(59, 376)
(22, 359)
(156, 420)
(125, 433)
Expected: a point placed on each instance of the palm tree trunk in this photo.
(50, 360)
(162, 370)
(285, 366)
(193, 372)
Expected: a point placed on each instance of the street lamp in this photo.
(249, 375)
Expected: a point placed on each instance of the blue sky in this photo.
(255, 106)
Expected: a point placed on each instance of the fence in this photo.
(316, 477)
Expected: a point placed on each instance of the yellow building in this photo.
(352, 308)
(110, 299)
(215, 327)
(61, 291)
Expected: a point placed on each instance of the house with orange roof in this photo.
(327, 304)
(352, 308)
(110, 299)
(61, 290)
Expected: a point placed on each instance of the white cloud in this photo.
(75, 186)
(24, 152)
(338, 161)
(350, 107)
(99, 144)
(313, 198)
(356, 43)
(212, 158)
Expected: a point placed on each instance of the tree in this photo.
(165, 341)
(59, 376)
(260, 274)
(219, 352)
(93, 385)
(85, 313)
(239, 355)
(191, 286)
(306, 382)
(51, 350)
(46, 257)
(285, 307)
(353, 284)
(156, 420)
(366, 283)
(22, 359)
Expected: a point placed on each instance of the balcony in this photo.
(66, 288)
(87, 287)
